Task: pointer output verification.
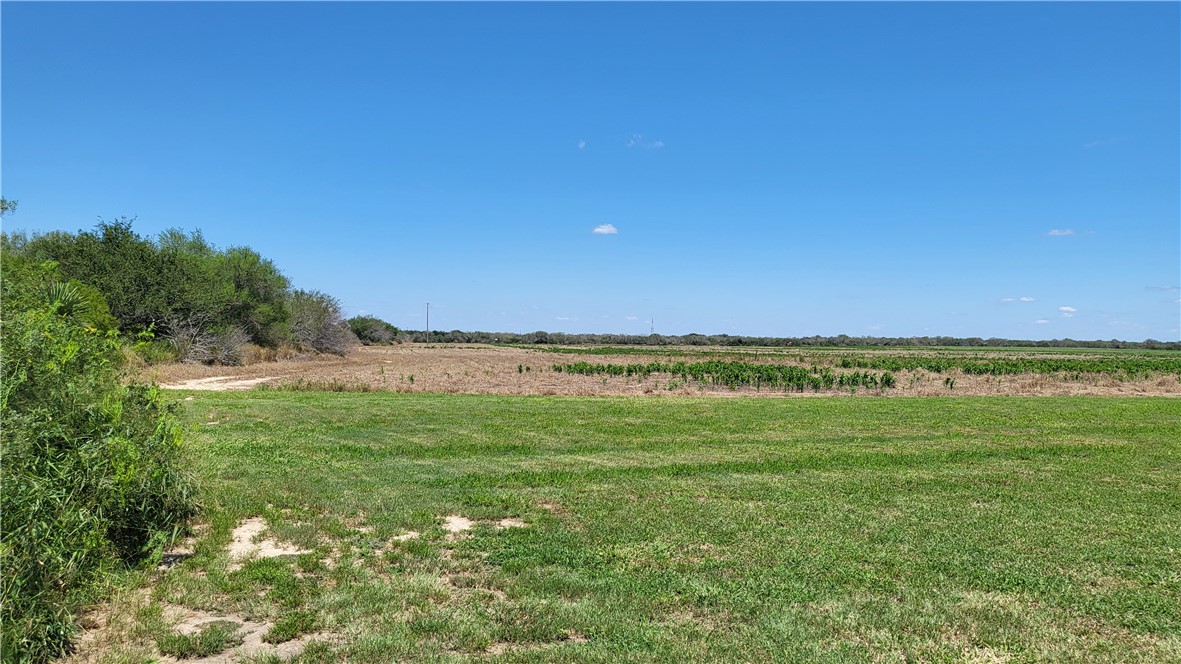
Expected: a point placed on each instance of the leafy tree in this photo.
(258, 295)
(371, 330)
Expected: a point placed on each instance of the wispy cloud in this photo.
(1067, 312)
(565, 318)
(1041, 321)
(1062, 232)
(1167, 289)
(638, 141)
(581, 143)
(1101, 143)
(633, 318)
(1019, 299)
(606, 229)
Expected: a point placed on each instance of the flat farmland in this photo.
(602, 371)
(445, 503)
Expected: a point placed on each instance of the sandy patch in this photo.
(243, 546)
(218, 383)
(454, 523)
(511, 523)
(406, 536)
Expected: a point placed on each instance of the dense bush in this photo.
(91, 470)
(371, 330)
(177, 278)
(317, 323)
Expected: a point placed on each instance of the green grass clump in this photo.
(290, 626)
(213, 638)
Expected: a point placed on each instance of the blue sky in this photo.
(768, 169)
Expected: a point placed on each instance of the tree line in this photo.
(178, 296)
(563, 339)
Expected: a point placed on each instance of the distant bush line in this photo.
(844, 341)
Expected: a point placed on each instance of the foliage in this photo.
(372, 331)
(1128, 366)
(92, 469)
(641, 343)
(317, 324)
(736, 374)
(177, 279)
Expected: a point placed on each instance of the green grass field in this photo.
(832, 530)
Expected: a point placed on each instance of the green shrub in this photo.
(91, 470)
(371, 330)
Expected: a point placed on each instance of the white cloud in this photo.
(1041, 321)
(1008, 299)
(633, 318)
(605, 229)
(1018, 299)
(638, 141)
(1167, 289)
(1061, 232)
(1028, 299)
(876, 327)
(581, 144)
(565, 318)
(1067, 312)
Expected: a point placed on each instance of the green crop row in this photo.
(738, 374)
(1116, 366)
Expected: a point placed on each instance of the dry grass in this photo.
(479, 369)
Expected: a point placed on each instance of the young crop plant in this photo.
(732, 374)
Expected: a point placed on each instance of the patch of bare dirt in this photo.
(218, 383)
(243, 546)
(188, 621)
(478, 369)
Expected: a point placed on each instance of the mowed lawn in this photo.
(677, 529)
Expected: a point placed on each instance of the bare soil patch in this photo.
(481, 369)
(244, 547)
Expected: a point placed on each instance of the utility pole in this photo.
(428, 321)
(652, 329)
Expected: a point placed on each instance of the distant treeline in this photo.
(559, 338)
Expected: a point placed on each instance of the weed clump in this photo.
(214, 638)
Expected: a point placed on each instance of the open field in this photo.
(480, 369)
(418, 527)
